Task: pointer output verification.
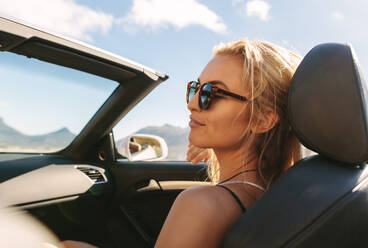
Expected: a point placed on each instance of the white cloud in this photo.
(337, 16)
(4, 104)
(156, 14)
(258, 8)
(62, 16)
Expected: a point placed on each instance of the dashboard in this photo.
(47, 179)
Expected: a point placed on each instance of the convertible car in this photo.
(85, 187)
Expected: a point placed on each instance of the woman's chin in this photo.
(197, 142)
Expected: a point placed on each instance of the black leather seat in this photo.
(323, 200)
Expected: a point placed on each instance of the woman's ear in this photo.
(265, 122)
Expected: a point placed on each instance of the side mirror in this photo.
(142, 147)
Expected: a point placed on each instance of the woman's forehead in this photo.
(224, 68)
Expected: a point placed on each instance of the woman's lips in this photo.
(194, 123)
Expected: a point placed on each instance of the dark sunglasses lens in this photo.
(192, 90)
(206, 96)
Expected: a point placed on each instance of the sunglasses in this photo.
(207, 92)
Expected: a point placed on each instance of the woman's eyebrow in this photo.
(216, 82)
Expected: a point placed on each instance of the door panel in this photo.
(145, 192)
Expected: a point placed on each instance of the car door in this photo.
(79, 186)
(145, 193)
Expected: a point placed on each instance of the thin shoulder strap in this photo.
(246, 182)
(235, 197)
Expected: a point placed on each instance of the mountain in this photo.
(175, 137)
(13, 140)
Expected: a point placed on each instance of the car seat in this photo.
(322, 201)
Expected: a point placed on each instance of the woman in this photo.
(238, 109)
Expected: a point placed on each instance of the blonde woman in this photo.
(238, 109)
(239, 122)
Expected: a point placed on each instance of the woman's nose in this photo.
(193, 103)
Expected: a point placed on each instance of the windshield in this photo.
(44, 106)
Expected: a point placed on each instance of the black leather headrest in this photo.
(328, 104)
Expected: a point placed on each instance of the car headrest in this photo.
(328, 104)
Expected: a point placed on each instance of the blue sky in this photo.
(177, 37)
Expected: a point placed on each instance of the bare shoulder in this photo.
(201, 198)
(203, 214)
(211, 198)
(202, 202)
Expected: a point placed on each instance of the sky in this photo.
(177, 38)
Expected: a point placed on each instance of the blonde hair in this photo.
(267, 73)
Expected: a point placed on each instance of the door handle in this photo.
(170, 185)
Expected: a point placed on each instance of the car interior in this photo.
(84, 192)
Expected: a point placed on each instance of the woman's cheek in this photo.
(229, 131)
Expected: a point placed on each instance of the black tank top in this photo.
(235, 197)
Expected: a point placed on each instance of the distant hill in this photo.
(13, 140)
(175, 137)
